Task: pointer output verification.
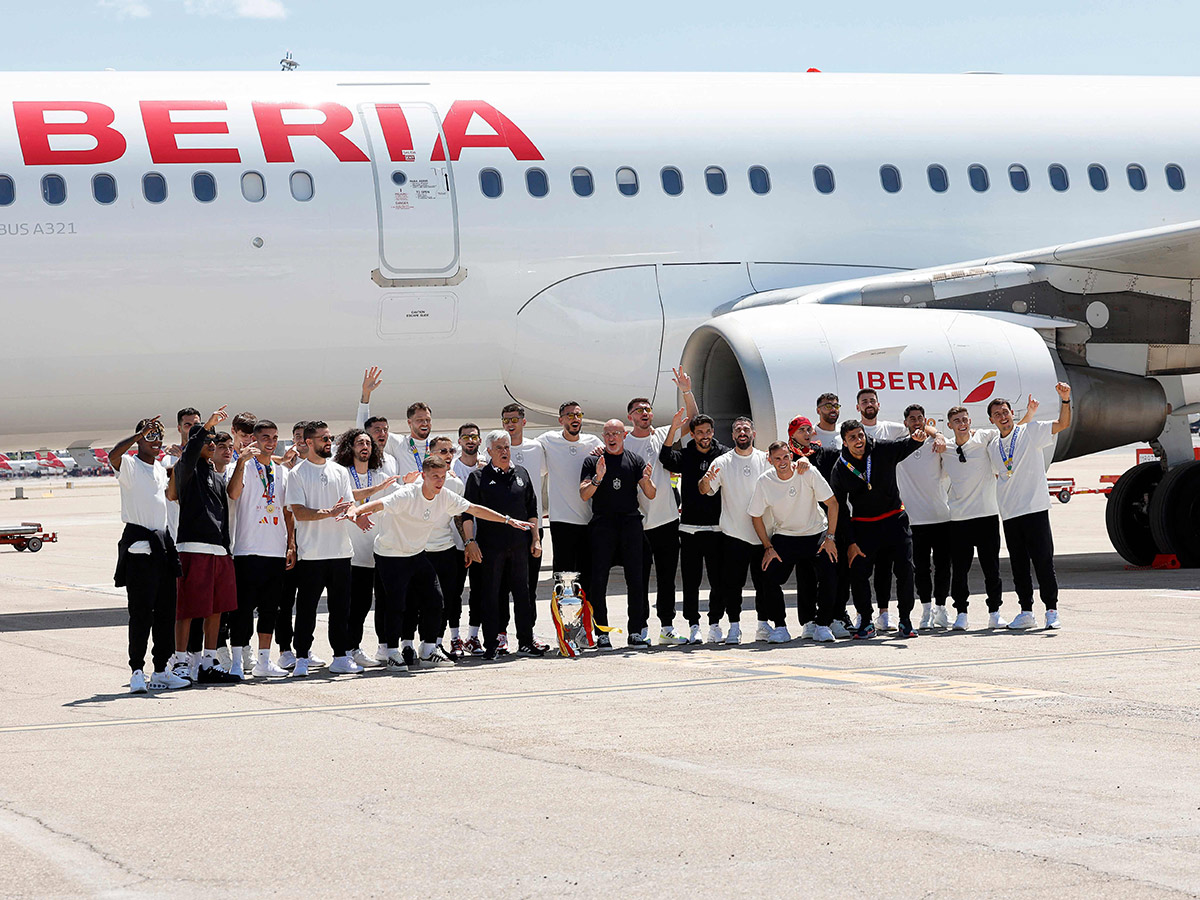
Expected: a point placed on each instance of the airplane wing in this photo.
(1172, 251)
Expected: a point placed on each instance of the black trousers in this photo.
(886, 542)
(333, 577)
(738, 557)
(968, 537)
(816, 576)
(535, 572)
(610, 535)
(259, 585)
(409, 580)
(504, 570)
(150, 588)
(284, 630)
(469, 576)
(572, 550)
(364, 587)
(1029, 541)
(661, 552)
(931, 544)
(443, 562)
(843, 579)
(698, 552)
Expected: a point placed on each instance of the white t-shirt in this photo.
(462, 471)
(529, 455)
(1023, 490)
(663, 508)
(792, 503)
(320, 487)
(924, 485)
(972, 483)
(408, 519)
(831, 439)
(886, 431)
(447, 536)
(736, 481)
(564, 467)
(362, 543)
(143, 497)
(169, 463)
(397, 455)
(259, 528)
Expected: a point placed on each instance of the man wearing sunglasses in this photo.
(563, 453)
(828, 410)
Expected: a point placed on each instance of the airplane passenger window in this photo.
(253, 186)
(301, 184)
(938, 179)
(672, 181)
(889, 177)
(204, 187)
(536, 183)
(1098, 177)
(154, 187)
(581, 182)
(1018, 177)
(760, 180)
(823, 179)
(627, 181)
(491, 183)
(8, 191)
(1058, 177)
(54, 189)
(714, 177)
(1137, 176)
(104, 189)
(1175, 177)
(978, 176)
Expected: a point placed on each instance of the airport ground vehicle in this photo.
(27, 536)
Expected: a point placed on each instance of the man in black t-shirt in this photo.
(611, 481)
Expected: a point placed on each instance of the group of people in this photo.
(224, 528)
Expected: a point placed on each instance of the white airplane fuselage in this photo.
(272, 305)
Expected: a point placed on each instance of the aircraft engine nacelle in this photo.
(773, 362)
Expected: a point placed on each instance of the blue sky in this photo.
(1099, 37)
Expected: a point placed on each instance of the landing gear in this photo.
(1128, 513)
(1174, 513)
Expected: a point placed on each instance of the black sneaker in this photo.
(636, 640)
(603, 642)
(866, 632)
(905, 630)
(489, 652)
(534, 649)
(410, 657)
(216, 675)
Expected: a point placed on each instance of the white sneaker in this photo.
(396, 661)
(167, 681)
(300, 670)
(807, 631)
(780, 635)
(137, 682)
(315, 662)
(381, 655)
(249, 658)
(235, 667)
(367, 662)
(694, 635)
(287, 659)
(1023, 622)
(224, 658)
(926, 619)
(941, 618)
(268, 670)
(762, 632)
(824, 634)
(1052, 619)
(344, 665)
(437, 657)
(881, 621)
(735, 634)
(670, 636)
(960, 622)
(714, 634)
(995, 620)
(837, 629)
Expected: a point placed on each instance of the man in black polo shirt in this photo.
(503, 552)
(611, 482)
(699, 516)
(864, 482)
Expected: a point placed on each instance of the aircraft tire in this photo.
(1127, 515)
(1175, 514)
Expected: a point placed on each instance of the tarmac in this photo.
(1059, 764)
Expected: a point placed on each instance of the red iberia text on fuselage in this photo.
(907, 381)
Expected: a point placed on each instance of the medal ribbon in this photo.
(412, 448)
(867, 477)
(357, 483)
(1012, 447)
(268, 481)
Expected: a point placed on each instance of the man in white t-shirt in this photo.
(319, 493)
(406, 520)
(146, 561)
(406, 454)
(924, 488)
(264, 546)
(734, 475)
(527, 454)
(1018, 458)
(828, 411)
(563, 453)
(791, 493)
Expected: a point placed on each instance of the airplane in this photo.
(545, 237)
(40, 464)
(51, 464)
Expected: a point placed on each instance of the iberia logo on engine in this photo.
(926, 381)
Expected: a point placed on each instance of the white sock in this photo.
(383, 648)
(194, 659)
(764, 624)
(264, 656)
(473, 631)
(926, 607)
(406, 643)
(454, 634)
(426, 650)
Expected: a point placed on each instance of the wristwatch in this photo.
(595, 482)
(468, 541)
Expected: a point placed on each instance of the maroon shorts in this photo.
(207, 586)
